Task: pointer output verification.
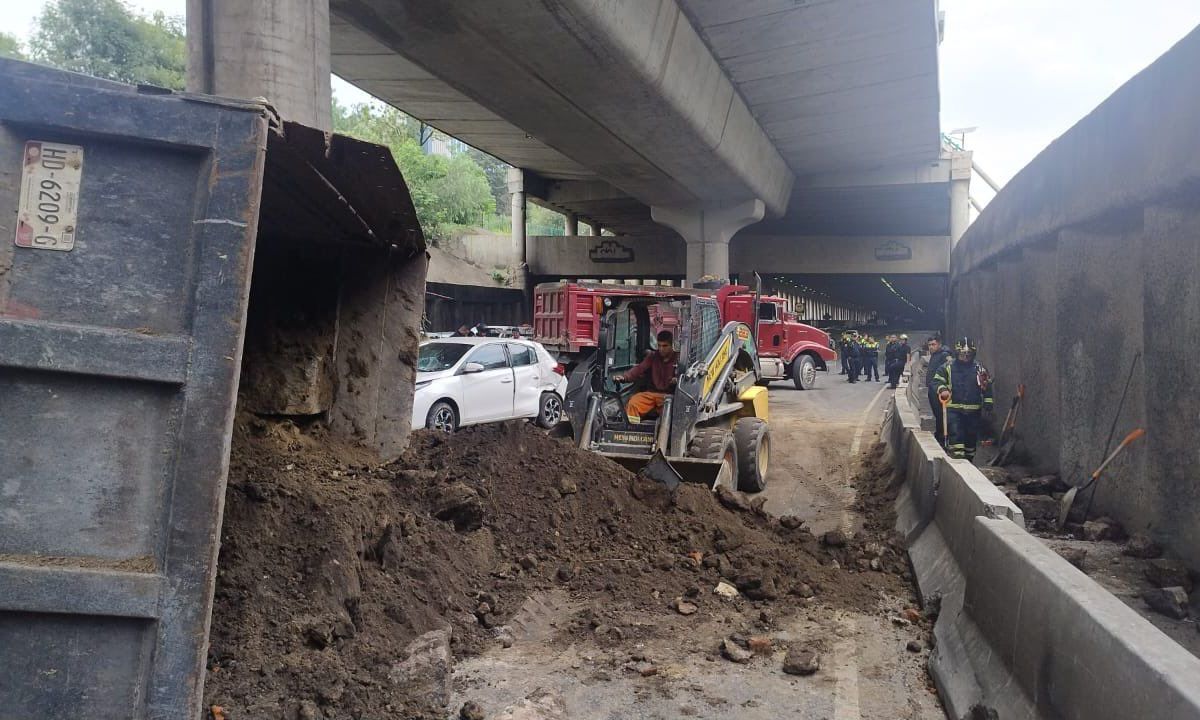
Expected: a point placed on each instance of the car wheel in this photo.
(442, 417)
(550, 410)
(804, 372)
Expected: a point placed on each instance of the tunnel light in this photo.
(897, 294)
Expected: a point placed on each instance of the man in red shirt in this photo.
(662, 366)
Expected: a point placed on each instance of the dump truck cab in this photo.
(712, 424)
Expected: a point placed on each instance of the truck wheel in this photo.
(442, 417)
(804, 372)
(753, 440)
(717, 443)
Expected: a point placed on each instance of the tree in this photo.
(446, 191)
(10, 47)
(106, 39)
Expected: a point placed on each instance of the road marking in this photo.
(845, 672)
(862, 423)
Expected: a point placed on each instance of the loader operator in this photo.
(662, 366)
(965, 385)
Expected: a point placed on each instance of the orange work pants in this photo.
(642, 403)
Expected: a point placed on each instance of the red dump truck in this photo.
(566, 319)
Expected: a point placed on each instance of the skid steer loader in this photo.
(712, 427)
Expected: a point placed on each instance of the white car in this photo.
(466, 381)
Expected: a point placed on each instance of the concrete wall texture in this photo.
(1088, 265)
(784, 254)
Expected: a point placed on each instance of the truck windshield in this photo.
(437, 356)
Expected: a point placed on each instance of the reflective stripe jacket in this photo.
(936, 362)
(962, 380)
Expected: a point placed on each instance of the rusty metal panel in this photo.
(123, 293)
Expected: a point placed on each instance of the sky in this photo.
(1021, 71)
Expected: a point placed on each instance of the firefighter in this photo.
(966, 387)
(662, 366)
(870, 359)
(937, 357)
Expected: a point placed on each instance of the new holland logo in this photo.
(611, 251)
(892, 251)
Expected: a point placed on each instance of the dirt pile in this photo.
(332, 564)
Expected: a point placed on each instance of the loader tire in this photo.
(717, 443)
(753, 440)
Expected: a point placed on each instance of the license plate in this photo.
(49, 201)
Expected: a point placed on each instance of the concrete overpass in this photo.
(703, 116)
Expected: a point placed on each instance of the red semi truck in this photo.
(566, 319)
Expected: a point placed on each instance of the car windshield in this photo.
(437, 356)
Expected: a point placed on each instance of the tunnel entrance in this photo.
(908, 301)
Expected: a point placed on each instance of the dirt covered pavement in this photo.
(348, 589)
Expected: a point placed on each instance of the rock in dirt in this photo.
(471, 710)
(458, 503)
(684, 607)
(1141, 546)
(803, 590)
(425, 670)
(1075, 556)
(790, 522)
(1165, 572)
(801, 661)
(1171, 601)
(760, 645)
(538, 705)
(724, 589)
(834, 538)
(1043, 485)
(1037, 507)
(732, 500)
(915, 646)
(733, 652)
(1102, 529)
(997, 475)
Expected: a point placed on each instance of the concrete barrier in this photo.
(1020, 630)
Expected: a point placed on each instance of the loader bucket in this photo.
(672, 471)
(659, 470)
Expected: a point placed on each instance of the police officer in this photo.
(938, 355)
(966, 387)
(899, 360)
(845, 359)
(889, 356)
(853, 351)
(870, 359)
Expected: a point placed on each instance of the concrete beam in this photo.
(665, 125)
(883, 255)
(589, 256)
(707, 232)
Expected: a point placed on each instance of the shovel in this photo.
(945, 425)
(1008, 435)
(1069, 499)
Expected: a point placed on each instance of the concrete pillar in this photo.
(707, 232)
(960, 195)
(572, 223)
(597, 229)
(277, 49)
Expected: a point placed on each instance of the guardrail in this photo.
(1021, 631)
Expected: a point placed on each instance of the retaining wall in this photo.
(1021, 631)
(1088, 259)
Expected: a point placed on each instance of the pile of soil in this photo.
(331, 564)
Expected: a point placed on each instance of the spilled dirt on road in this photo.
(331, 564)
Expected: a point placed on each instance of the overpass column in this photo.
(572, 223)
(277, 49)
(960, 195)
(707, 232)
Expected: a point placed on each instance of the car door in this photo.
(488, 394)
(528, 379)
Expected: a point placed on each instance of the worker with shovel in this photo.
(965, 389)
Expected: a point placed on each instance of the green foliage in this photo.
(447, 192)
(106, 39)
(540, 221)
(10, 47)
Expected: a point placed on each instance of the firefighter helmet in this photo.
(967, 345)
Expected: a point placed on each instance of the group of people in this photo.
(964, 387)
(860, 356)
